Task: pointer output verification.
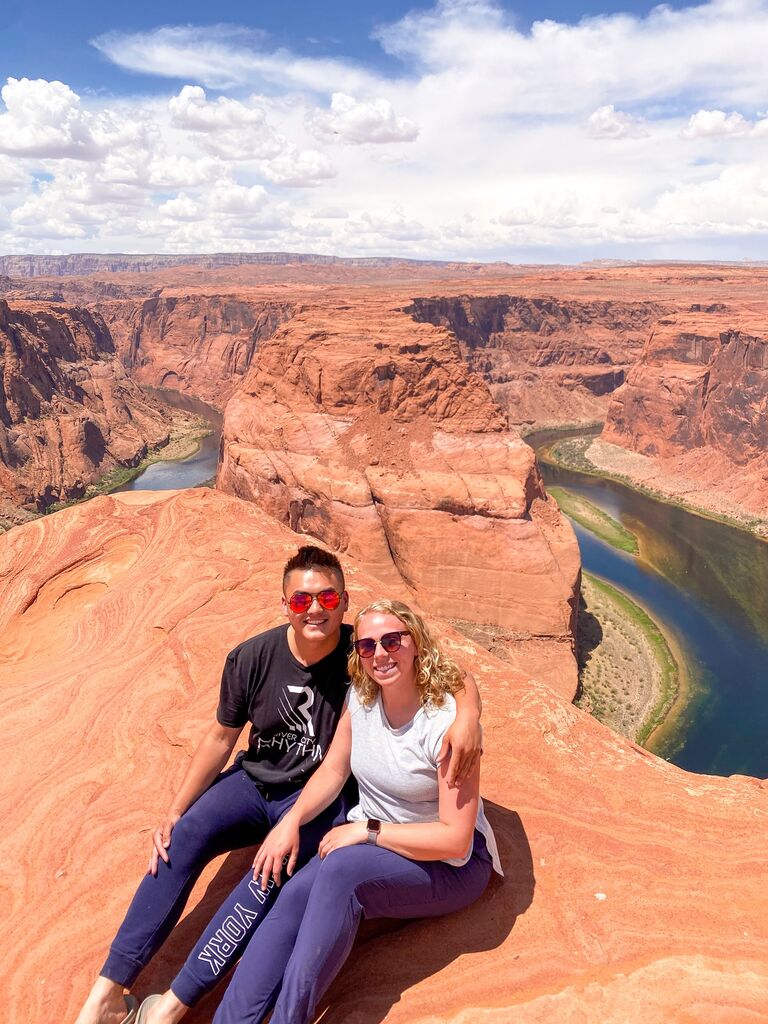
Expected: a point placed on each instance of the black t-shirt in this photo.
(293, 708)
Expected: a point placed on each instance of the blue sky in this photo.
(49, 39)
(464, 129)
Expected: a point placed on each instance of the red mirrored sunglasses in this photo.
(300, 601)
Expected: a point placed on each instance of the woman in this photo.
(412, 847)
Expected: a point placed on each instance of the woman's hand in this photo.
(161, 840)
(351, 834)
(465, 740)
(280, 847)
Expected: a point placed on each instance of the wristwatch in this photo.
(374, 827)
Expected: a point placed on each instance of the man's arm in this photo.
(209, 759)
(464, 739)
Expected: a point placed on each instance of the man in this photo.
(290, 683)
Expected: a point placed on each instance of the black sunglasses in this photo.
(390, 643)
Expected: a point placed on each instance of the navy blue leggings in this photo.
(298, 950)
(231, 814)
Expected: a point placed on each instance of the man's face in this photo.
(316, 623)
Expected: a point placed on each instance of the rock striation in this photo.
(547, 360)
(696, 404)
(360, 427)
(634, 891)
(68, 411)
(200, 344)
(145, 263)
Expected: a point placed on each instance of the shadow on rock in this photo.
(383, 966)
(406, 952)
(589, 636)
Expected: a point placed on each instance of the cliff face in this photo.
(117, 263)
(362, 428)
(697, 402)
(702, 381)
(622, 899)
(547, 360)
(68, 411)
(196, 343)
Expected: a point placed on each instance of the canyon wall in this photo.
(548, 360)
(68, 411)
(696, 404)
(634, 892)
(201, 344)
(145, 263)
(364, 429)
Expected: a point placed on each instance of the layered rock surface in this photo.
(68, 411)
(200, 344)
(634, 892)
(696, 405)
(365, 429)
(547, 360)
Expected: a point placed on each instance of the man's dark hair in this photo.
(311, 557)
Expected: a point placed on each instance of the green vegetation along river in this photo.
(708, 584)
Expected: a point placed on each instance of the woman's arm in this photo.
(464, 739)
(319, 792)
(448, 838)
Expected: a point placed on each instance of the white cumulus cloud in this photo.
(230, 129)
(191, 110)
(608, 123)
(362, 121)
(299, 168)
(44, 119)
(717, 124)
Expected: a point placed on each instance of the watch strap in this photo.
(374, 828)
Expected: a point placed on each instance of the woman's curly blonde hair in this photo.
(436, 675)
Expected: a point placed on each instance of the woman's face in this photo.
(388, 669)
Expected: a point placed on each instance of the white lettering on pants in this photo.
(223, 943)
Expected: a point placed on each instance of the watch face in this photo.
(374, 825)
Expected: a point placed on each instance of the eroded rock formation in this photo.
(547, 360)
(365, 429)
(697, 404)
(634, 891)
(201, 344)
(68, 411)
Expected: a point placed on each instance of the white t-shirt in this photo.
(396, 769)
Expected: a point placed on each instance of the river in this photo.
(193, 471)
(707, 584)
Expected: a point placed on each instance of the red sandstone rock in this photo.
(201, 344)
(697, 403)
(68, 412)
(551, 342)
(634, 892)
(361, 427)
(547, 360)
(539, 336)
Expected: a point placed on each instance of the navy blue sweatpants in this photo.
(231, 814)
(298, 950)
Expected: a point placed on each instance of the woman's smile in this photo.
(388, 668)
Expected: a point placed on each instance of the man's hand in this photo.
(280, 847)
(465, 741)
(161, 840)
(351, 834)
